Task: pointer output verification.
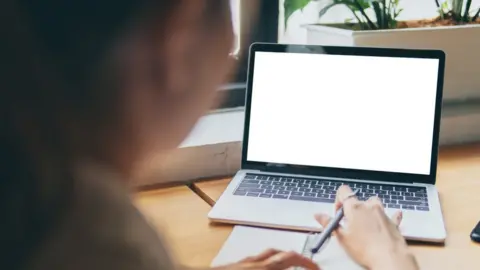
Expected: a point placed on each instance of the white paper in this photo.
(248, 241)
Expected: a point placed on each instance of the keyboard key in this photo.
(409, 203)
(279, 187)
(325, 196)
(266, 186)
(277, 183)
(317, 190)
(311, 199)
(393, 206)
(415, 199)
(269, 191)
(255, 190)
(422, 208)
(311, 182)
(330, 192)
(305, 189)
(251, 194)
(362, 185)
(400, 189)
(241, 193)
(250, 176)
(409, 207)
(310, 194)
(317, 186)
(265, 182)
(408, 194)
(332, 196)
(373, 186)
(396, 197)
(336, 184)
(329, 187)
(249, 185)
(283, 192)
(300, 181)
(290, 184)
(265, 195)
(417, 190)
(272, 178)
(368, 195)
(261, 177)
(422, 195)
(382, 196)
(297, 193)
(288, 179)
(292, 188)
(381, 192)
(371, 191)
(396, 193)
(250, 182)
(387, 187)
(280, 196)
(303, 185)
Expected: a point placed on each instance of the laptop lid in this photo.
(350, 112)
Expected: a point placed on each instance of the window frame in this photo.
(265, 30)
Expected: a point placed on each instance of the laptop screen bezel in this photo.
(341, 172)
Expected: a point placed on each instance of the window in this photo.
(244, 19)
(461, 94)
(237, 26)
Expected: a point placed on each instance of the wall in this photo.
(413, 9)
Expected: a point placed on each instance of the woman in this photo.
(91, 89)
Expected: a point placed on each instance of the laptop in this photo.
(317, 117)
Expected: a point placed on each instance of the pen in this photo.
(331, 227)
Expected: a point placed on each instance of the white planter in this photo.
(460, 43)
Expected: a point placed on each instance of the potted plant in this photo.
(374, 23)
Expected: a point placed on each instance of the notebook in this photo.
(247, 241)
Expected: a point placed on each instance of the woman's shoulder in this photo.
(102, 230)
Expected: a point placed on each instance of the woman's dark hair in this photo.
(51, 51)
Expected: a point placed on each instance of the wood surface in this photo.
(181, 217)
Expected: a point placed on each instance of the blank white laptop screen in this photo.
(354, 112)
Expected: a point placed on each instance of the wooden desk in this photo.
(458, 183)
(181, 217)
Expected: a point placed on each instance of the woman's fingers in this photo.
(342, 193)
(324, 220)
(262, 256)
(376, 203)
(397, 218)
(285, 260)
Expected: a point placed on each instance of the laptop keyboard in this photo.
(321, 190)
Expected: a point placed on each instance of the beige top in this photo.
(103, 230)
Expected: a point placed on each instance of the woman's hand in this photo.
(370, 237)
(273, 259)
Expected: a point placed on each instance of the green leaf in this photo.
(398, 13)
(291, 6)
(325, 9)
(352, 4)
(457, 6)
(445, 5)
(466, 14)
(378, 14)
